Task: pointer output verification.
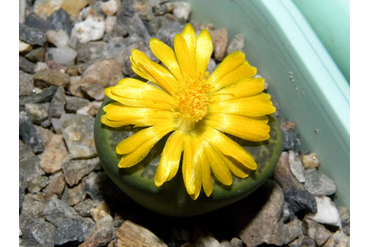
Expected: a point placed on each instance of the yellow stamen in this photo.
(192, 102)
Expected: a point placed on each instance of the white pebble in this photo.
(40, 66)
(327, 213)
(90, 29)
(58, 38)
(182, 10)
(63, 55)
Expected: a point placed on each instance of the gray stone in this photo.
(93, 185)
(76, 194)
(36, 184)
(236, 44)
(43, 25)
(53, 77)
(92, 52)
(99, 76)
(45, 96)
(155, 24)
(37, 112)
(26, 65)
(36, 55)
(91, 109)
(167, 32)
(84, 207)
(296, 166)
(30, 168)
(291, 140)
(31, 36)
(36, 231)
(102, 233)
(77, 132)
(25, 151)
(56, 211)
(61, 20)
(265, 211)
(75, 103)
(75, 170)
(127, 9)
(318, 183)
(73, 229)
(56, 107)
(35, 204)
(211, 66)
(299, 201)
(116, 47)
(25, 83)
(57, 125)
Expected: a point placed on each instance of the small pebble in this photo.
(46, 7)
(310, 161)
(59, 38)
(24, 47)
(296, 166)
(182, 10)
(63, 55)
(318, 183)
(219, 39)
(61, 21)
(236, 44)
(109, 7)
(327, 213)
(90, 29)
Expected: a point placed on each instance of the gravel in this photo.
(65, 196)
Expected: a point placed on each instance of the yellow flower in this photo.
(195, 107)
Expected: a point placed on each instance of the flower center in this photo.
(192, 100)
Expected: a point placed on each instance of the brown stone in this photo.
(100, 75)
(45, 78)
(283, 175)
(100, 211)
(73, 7)
(134, 235)
(56, 184)
(54, 154)
(220, 39)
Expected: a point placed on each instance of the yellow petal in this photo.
(219, 167)
(164, 53)
(206, 175)
(228, 65)
(191, 41)
(249, 128)
(184, 57)
(228, 147)
(137, 116)
(237, 168)
(258, 105)
(203, 52)
(131, 159)
(245, 88)
(191, 168)
(149, 135)
(113, 124)
(243, 71)
(152, 71)
(170, 159)
(136, 93)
